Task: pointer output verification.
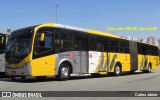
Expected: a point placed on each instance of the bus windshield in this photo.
(19, 44)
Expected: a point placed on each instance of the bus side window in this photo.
(48, 42)
(124, 46)
(92, 44)
(76, 44)
(63, 41)
(43, 46)
(80, 44)
(139, 48)
(114, 45)
(100, 46)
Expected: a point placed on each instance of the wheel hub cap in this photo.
(117, 70)
(64, 72)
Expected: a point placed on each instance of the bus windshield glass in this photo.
(19, 44)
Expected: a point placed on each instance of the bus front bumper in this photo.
(21, 71)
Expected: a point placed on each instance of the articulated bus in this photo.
(60, 50)
(3, 41)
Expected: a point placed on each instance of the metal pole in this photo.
(56, 11)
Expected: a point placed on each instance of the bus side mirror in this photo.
(42, 37)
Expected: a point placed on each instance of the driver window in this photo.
(46, 44)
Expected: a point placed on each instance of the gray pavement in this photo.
(135, 82)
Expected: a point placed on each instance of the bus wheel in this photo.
(41, 77)
(117, 70)
(64, 72)
(149, 69)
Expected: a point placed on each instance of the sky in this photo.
(101, 15)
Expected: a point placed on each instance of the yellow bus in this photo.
(60, 50)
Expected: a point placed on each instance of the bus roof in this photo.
(94, 32)
(147, 44)
(90, 31)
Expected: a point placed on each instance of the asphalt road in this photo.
(135, 82)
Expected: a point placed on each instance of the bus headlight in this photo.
(27, 64)
(27, 68)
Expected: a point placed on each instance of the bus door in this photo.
(43, 58)
(97, 56)
(81, 45)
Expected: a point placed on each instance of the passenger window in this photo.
(100, 47)
(92, 43)
(63, 41)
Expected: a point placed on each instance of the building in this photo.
(8, 31)
(151, 40)
(159, 43)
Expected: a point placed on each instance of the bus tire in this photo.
(117, 70)
(41, 77)
(64, 72)
(149, 69)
